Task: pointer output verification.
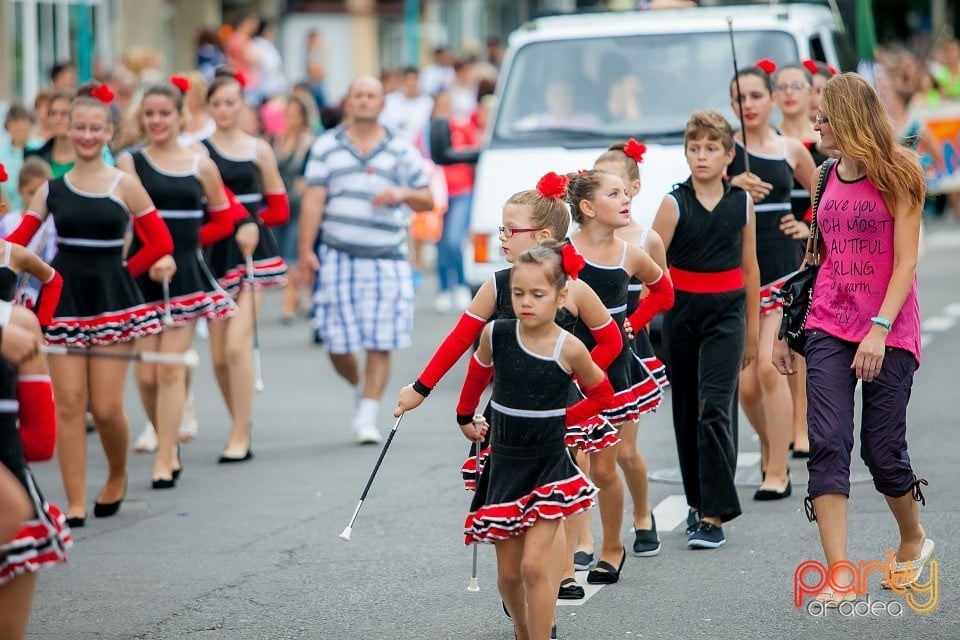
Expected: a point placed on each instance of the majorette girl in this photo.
(101, 306)
(530, 482)
(775, 161)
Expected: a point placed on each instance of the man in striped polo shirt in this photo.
(362, 183)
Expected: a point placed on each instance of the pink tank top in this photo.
(856, 233)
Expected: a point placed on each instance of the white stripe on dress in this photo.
(181, 214)
(89, 242)
(528, 413)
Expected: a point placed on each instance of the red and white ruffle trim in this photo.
(39, 543)
(553, 501)
(596, 434)
(469, 471)
(269, 273)
(769, 295)
(105, 329)
(630, 404)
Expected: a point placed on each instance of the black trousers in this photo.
(704, 335)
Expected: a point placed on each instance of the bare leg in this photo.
(171, 396)
(603, 472)
(69, 376)
(777, 407)
(376, 373)
(16, 600)
(147, 379)
(541, 577)
(751, 399)
(238, 356)
(635, 474)
(510, 580)
(831, 510)
(798, 391)
(584, 532)
(907, 513)
(15, 506)
(347, 367)
(107, 379)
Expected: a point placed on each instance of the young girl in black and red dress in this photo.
(601, 206)
(100, 306)
(774, 161)
(186, 188)
(249, 170)
(623, 160)
(530, 483)
(708, 228)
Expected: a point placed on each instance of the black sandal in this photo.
(570, 590)
(606, 573)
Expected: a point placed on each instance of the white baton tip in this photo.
(345, 536)
(474, 586)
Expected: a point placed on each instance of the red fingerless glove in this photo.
(218, 226)
(277, 211)
(609, 341)
(599, 397)
(659, 298)
(25, 231)
(38, 417)
(155, 237)
(49, 298)
(478, 377)
(456, 344)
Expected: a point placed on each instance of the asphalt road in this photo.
(251, 551)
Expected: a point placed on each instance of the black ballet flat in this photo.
(606, 573)
(176, 472)
(225, 459)
(165, 483)
(77, 521)
(766, 495)
(570, 590)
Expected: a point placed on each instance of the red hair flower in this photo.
(180, 82)
(635, 150)
(810, 66)
(833, 70)
(767, 65)
(3, 173)
(103, 93)
(573, 262)
(241, 79)
(552, 185)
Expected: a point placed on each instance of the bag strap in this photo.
(813, 242)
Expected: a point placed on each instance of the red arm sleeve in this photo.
(153, 233)
(218, 227)
(453, 346)
(277, 211)
(238, 213)
(599, 397)
(49, 297)
(25, 231)
(38, 417)
(609, 344)
(659, 299)
(478, 377)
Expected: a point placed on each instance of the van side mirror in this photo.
(441, 146)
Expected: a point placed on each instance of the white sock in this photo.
(357, 394)
(367, 410)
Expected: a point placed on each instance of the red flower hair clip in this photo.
(767, 65)
(3, 173)
(103, 93)
(180, 82)
(552, 185)
(810, 66)
(241, 79)
(572, 261)
(635, 150)
(833, 70)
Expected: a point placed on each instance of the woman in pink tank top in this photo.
(864, 324)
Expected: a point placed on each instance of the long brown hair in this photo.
(864, 132)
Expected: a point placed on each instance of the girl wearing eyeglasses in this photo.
(774, 161)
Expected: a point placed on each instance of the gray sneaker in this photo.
(582, 561)
(693, 521)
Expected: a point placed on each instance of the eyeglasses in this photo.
(821, 119)
(507, 232)
(793, 86)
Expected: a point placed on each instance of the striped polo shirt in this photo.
(351, 222)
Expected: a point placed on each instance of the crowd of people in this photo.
(147, 208)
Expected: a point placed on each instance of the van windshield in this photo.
(581, 91)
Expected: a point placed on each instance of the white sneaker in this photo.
(366, 432)
(443, 303)
(147, 441)
(462, 298)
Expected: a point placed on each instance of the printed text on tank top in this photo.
(623, 259)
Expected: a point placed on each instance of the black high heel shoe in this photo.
(107, 509)
(176, 472)
(165, 483)
(76, 522)
(225, 459)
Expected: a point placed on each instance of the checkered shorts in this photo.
(363, 303)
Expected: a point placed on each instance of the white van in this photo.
(571, 85)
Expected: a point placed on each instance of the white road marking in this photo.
(943, 239)
(952, 310)
(938, 323)
(589, 590)
(925, 340)
(748, 458)
(671, 512)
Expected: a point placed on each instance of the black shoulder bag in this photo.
(797, 292)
